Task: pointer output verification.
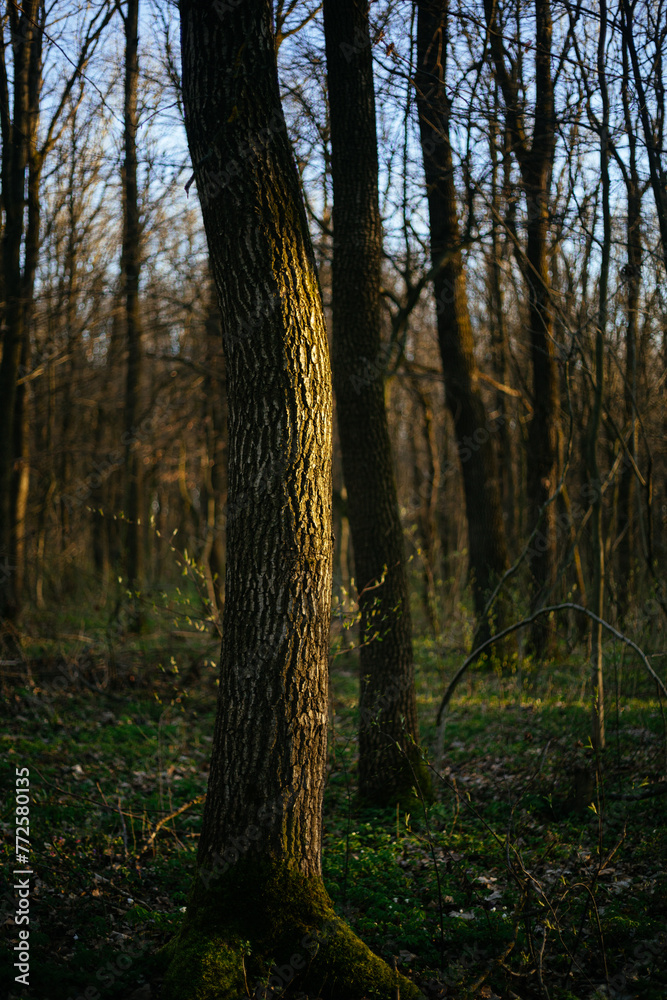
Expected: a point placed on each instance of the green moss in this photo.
(345, 968)
(264, 924)
(204, 967)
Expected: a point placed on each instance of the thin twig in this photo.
(188, 805)
(122, 820)
(245, 978)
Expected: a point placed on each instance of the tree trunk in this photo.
(101, 508)
(388, 758)
(18, 124)
(535, 159)
(70, 294)
(426, 489)
(21, 474)
(486, 536)
(498, 330)
(130, 268)
(259, 871)
(543, 432)
(626, 521)
(597, 680)
(214, 494)
(652, 136)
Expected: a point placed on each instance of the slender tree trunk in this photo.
(653, 143)
(46, 443)
(486, 536)
(18, 124)
(21, 476)
(70, 295)
(626, 487)
(130, 269)
(99, 501)
(498, 329)
(543, 433)
(388, 760)
(214, 495)
(426, 492)
(535, 159)
(598, 589)
(259, 860)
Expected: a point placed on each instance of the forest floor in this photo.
(539, 871)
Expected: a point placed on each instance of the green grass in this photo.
(502, 888)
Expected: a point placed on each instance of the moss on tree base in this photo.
(262, 927)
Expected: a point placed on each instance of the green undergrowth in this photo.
(539, 868)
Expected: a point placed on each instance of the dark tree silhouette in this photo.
(388, 760)
(534, 151)
(486, 536)
(130, 272)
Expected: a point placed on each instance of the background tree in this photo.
(627, 561)
(130, 275)
(535, 156)
(656, 35)
(488, 553)
(597, 530)
(19, 122)
(388, 762)
(24, 151)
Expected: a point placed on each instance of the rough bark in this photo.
(486, 536)
(388, 763)
(259, 872)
